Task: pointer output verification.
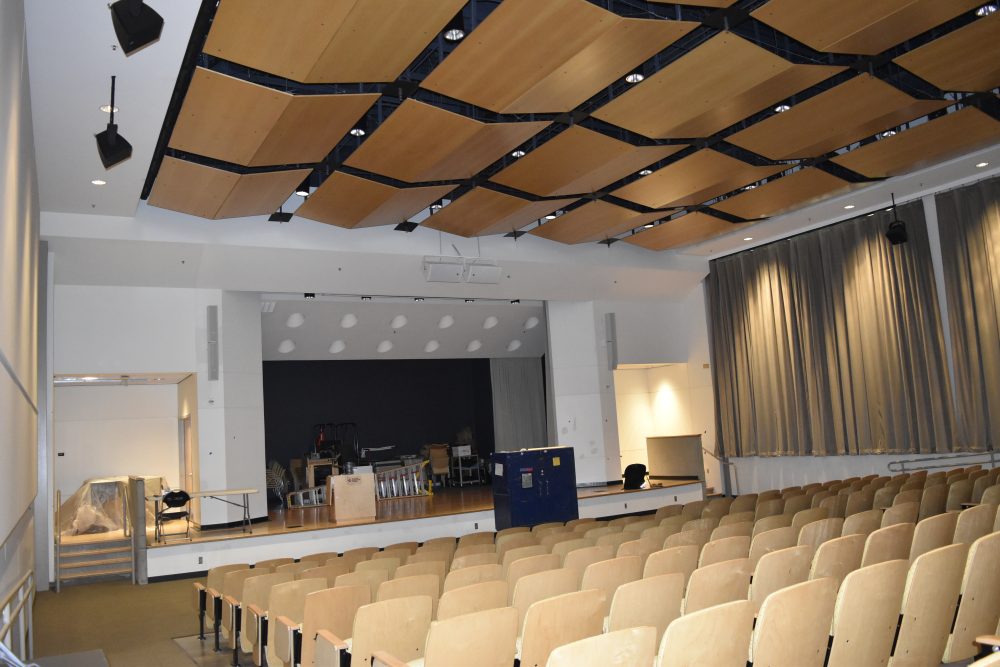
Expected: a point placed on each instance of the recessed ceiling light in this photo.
(888, 210)
(551, 216)
(454, 30)
(517, 153)
(106, 108)
(446, 321)
(649, 225)
(986, 10)
(750, 187)
(869, 215)
(980, 165)
(645, 172)
(634, 77)
(781, 108)
(454, 34)
(357, 132)
(748, 238)
(435, 208)
(888, 133)
(98, 181)
(849, 206)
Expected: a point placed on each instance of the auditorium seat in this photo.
(209, 597)
(727, 548)
(559, 620)
(485, 639)
(514, 541)
(979, 598)
(737, 517)
(837, 558)
(818, 532)
(797, 503)
(422, 584)
(370, 578)
(709, 523)
(285, 609)
(475, 597)
(682, 560)
(717, 508)
(578, 559)
(562, 548)
(537, 528)
(637, 527)
(819, 497)
(471, 539)
(717, 584)
(693, 509)
(253, 608)
(766, 508)
(718, 636)
(273, 563)
(471, 560)
(770, 523)
(615, 540)
(777, 570)
(667, 511)
(771, 540)
(320, 557)
(521, 552)
(473, 574)
(743, 503)
(865, 615)
(974, 523)
(355, 556)
(389, 564)
(698, 538)
(859, 501)
(397, 627)
(654, 601)
(551, 539)
(601, 531)
(447, 542)
(514, 530)
(932, 501)
(622, 648)
(436, 567)
(902, 513)
(933, 532)
(889, 543)
(530, 565)
(793, 626)
(332, 610)
(723, 531)
(958, 493)
(578, 523)
(437, 554)
(607, 575)
(769, 494)
(230, 609)
(400, 553)
(296, 568)
(542, 585)
(907, 496)
(800, 519)
(862, 523)
(673, 523)
(330, 571)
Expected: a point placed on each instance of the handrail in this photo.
(724, 460)
(22, 644)
(921, 463)
(58, 534)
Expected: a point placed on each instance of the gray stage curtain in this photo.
(518, 403)
(829, 343)
(969, 220)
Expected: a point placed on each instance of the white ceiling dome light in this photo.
(399, 322)
(337, 347)
(446, 322)
(349, 320)
(432, 346)
(295, 320)
(286, 346)
(473, 345)
(384, 346)
(490, 322)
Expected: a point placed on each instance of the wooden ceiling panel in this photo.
(700, 3)
(793, 191)
(530, 56)
(420, 142)
(693, 180)
(481, 212)
(966, 60)
(858, 108)
(940, 139)
(720, 83)
(324, 41)
(240, 122)
(685, 230)
(352, 202)
(858, 26)
(579, 161)
(593, 222)
(215, 193)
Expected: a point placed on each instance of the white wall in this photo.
(112, 431)
(18, 301)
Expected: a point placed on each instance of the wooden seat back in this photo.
(767, 508)
(818, 532)
(884, 497)
(420, 584)
(621, 648)
(673, 523)
(667, 511)
(401, 551)
(653, 601)
(601, 531)
(698, 538)
(796, 504)
(214, 581)
(727, 548)
(513, 530)
(484, 638)
(370, 578)
(793, 626)
(450, 543)
(388, 564)
(709, 523)
(473, 539)
(862, 523)
(974, 523)
(734, 529)
(623, 521)
(435, 567)
(639, 526)
(932, 501)
(329, 572)
(929, 600)
(980, 485)
(331, 609)
(932, 533)
(559, 620)
(902, 513)
(682, 560)
(779, 569)
(436, 554)
(804, 517)
(608, 575)
(475, 574)
(232, 589)
(717, 507)
(473, 598)
(958, 493)
(737, 517)
(771, 540)
(471, 560)
(641, 547)
(514, 541)
(979, 604)
(694, 509)
(542, 585)
(859, 501)
(889, 543)
(718, 583)
(551, 539)
(563, 548)
(296, 569)
(743, 503)
(256, 591)
(908, 496)
(272, 563)
(548, 524)
(615, 540)
(579, 559)
(838, 557)
(717, 636)
(819, 497)
(287, 601)
(521, 552)
(771, 523)
(398, 626)
(865, 616)
(355, 556)
(573, 523)
(525, 566)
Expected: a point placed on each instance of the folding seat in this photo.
(273, 563)
(472, 560)
(434, 555)
(355, 556)
(884, 497)
(958, 493)
(933, 501)
(370, 578)
(865, 616)
(563, 548)
(743, 503)
(551, 539)
(470, 539)
(653, 601)
(328, 572)
(625, 520)
(510, 531)
(837, 558)
(770, 494)
(667, 511)
(542, 585)
(551, 524)
(421, 584)
(252, 609)
(859, 501)
(397, 627)
(736, 517)
(717, 508)
(474, 574)
(573, 523)
(657, 534)
(796, 504)
(296, 568)
(484, 638)
(834, 505)
(387, 564)
(771, 540)
(929, 600)
(728, 548)
(793, 626)
(709, 523)
(397, 553)
(718, 583)
(974, 522)
(559, 620)
(582, 528)
(209, 597)
(979, 599)
(622, 648)
(525, 566)
(521, 552)
(694, 509)
(979, 485)
(601, 531)
(889, 543)
(697, 538)
(615, 540)
(675, 560)
(511, 541)
(608, 575)
(435, 567)
(475, 597)
(231, 611)
(450, 542)
(641, 548)
(862, 523)
(770, 523)
(819, 497)
(744, 528)
(551, 530)
(818, 532)
(768, 508)
(639, 526)
(908, 496)
(718, 636)
(933, 532)
(808, 516)
(579, 559)
(332, 610)
(902, 513)
(285, 609)
(777, 570)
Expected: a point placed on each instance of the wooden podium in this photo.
(353, 496)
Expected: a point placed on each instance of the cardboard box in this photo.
(353, 496)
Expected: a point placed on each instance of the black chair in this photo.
(173, 506)
(634, 476)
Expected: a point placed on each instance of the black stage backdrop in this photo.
(403, 402)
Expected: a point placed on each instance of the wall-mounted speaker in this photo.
(213, 342)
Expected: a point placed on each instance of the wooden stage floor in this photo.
(444, 502)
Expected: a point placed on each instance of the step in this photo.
(94, 563)
(63, 553)
(95, 573)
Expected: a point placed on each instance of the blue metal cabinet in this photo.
(533, 486)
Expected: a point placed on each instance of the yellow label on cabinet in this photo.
(555, 461)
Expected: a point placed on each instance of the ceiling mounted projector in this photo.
(461, 270)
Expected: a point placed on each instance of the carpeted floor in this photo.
(133, 625)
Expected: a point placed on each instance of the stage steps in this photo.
(94, 561)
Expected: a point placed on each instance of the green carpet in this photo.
(133, 625)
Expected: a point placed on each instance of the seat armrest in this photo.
(257, 611)
(211, 592)
(384, 659)
(231, 601)
(198, 586)
(328, 648)
(988, 640)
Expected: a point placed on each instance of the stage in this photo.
(449, 512)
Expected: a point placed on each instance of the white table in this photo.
(220, 495)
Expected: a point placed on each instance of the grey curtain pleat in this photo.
(830, 343)
(969, 221)
(518, 403)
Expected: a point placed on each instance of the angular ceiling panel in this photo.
(925, 144)
(349, 201)
(685, 230)
(854, 110)
(547, 57)
(965, 60)
(215, 193)
(481, 212)
(240, 122)
(579, 161)
(784, 194)
(693, 180)
(420, 142)
(858, 26)
(325, 41)
(716, 85)
(593, 222)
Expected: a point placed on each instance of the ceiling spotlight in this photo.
(551, 216)
(849, 206)
(110, 145)
(106, 108)
(980, 165)
(781, 108)
(515, 301)
(418, 299)
(634, 77)
(358, 132)
(888, 133)
(748, 238)
(303, 189)
(986, 10)
(436, 207)
(406, 226)
(517, 153)
(366, 298)
(750, 187)
(455, 30)
(645, 172)
(649, 225)
(896, 233)
(136, 25)
(279, 216)
(98, 181)
(361, 128)
(309, 295)
(470, 300)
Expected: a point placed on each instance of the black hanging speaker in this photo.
(136, 24)
(112, 147)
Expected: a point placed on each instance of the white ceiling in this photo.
(313, 326)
